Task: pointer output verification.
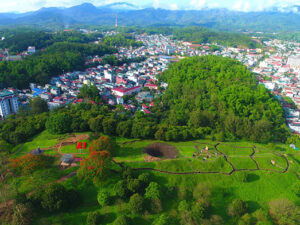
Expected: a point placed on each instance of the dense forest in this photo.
(199, 35)
(121, 40)
(221, 94)
(207, 97)
(18, 40)
(43, 65)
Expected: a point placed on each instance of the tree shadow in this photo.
(252, 206)
(280, 149)
(251, 177)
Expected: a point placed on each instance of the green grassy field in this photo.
(261, 187)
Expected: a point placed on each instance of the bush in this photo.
(145, 179)
(120, 189)
(245, 220)
(201, 191)
(152, 191)
(136, 203)
(55, 198)
(134, 185)
(122, 220)
(103, 198)
(261, 216)
(156, 205)
(284, 212)
(127, 173)
(163, 219)
(93, 218)
(237, 208)
(23, 214)
(296, 188)
(198, 212)
(216, 220)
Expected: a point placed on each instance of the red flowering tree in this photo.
(96, 166)
(29, 163)
(101, 144)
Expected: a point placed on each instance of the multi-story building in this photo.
(8, 104)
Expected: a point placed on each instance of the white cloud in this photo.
(198, 4)
(156, 4)
(174, 6)
(242, 5)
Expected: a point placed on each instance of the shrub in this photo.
(296, 188)
(216, 220)
(245, 220)
(145, 179)
(198, 212)
(134, 185)
(103, 198)
(93, 218)
(136, 203)
(201, 191)
(55, 198)
(156, 205)
(163, 219)
(237, 208)
(183, 206)
(284, 212)
(120, 189)
(127, 173)
(122, 220)
(260, 216)
(23, 214)
(152, 191)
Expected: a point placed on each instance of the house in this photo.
(122, 91)
(31, 50)
(151, 86)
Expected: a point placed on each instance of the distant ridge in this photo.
(273, 20)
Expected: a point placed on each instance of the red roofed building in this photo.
(122, 91)
(151, 86)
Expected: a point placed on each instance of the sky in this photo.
(240, 5)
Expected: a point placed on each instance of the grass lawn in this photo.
(260, 188)
(44, 140)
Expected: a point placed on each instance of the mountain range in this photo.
(273, 20)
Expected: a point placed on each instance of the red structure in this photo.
(79, 146)
(84, 145)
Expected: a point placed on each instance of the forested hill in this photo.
(198, 35)
(221, 94)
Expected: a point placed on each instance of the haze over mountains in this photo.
(273, 19)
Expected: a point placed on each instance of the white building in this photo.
(31, 49)
(8, 104)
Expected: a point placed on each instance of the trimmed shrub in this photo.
(93, 218)
(237, 208)
(136, 203)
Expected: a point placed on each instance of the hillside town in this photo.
(135, 85)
